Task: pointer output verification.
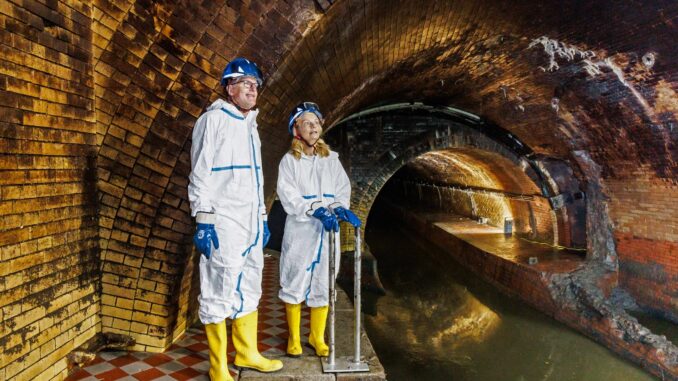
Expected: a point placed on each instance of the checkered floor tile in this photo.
(188, 358)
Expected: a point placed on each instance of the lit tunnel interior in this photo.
(474, 189)
(561, 117)
(448, 160)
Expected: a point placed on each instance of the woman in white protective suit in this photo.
(315, 192)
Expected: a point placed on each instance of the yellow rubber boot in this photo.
(245, 341)
(217, 340)
(317, 336)
(294, 326)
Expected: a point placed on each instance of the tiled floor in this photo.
(188, 358)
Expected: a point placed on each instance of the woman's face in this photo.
(309, 127)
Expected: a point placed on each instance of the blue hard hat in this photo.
(240, 67)
(300, 109)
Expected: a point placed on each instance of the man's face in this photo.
(243, 92)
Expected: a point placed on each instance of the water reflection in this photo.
(438, 322)
(434, 327)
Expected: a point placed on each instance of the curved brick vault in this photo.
(443, 146)
(98, 98)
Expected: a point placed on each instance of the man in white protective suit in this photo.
(315, 192)
(226, 195)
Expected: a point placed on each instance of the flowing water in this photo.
(437, 321)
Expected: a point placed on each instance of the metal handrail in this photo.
(354, 363)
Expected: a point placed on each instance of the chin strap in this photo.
(242, 110)
(298, 137)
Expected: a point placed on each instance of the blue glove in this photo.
(205, 236)
(267, 233)
(344, 214)
(327, 218)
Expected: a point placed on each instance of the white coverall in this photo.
(226, 180)
(309, 182)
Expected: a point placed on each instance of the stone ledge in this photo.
(308, 367)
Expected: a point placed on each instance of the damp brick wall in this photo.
(647, 242)
(49, 272)
(533, 219)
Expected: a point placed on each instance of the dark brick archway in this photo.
(374, 144)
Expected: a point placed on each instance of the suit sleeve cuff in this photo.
(315, 205)
(336, 205)
(205, 218)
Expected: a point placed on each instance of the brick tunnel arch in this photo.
(99, 99)
(375, 143)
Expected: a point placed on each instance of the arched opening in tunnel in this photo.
(476, 186)
(454, 161)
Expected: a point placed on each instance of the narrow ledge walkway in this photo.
(188, 358)
(502, 260)
(492, 240)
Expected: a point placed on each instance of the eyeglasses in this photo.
(250, 85)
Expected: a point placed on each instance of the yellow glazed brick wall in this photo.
(48, 226)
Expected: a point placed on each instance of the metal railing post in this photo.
(333, 293)
(356, 294)
(345, 363)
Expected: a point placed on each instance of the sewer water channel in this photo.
(438, 321)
